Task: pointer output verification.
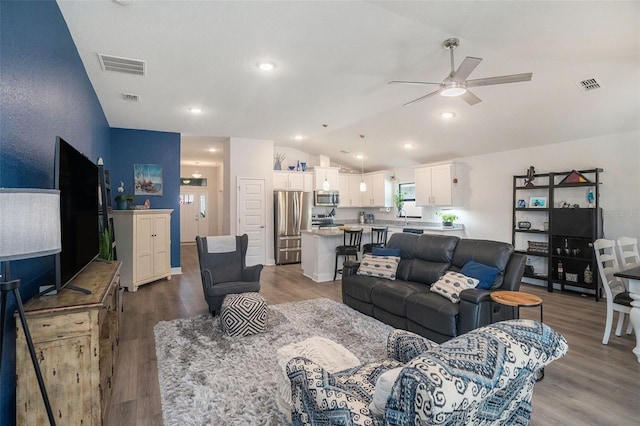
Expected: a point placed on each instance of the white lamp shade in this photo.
(325, 185)
(29, 223)
(363, 186)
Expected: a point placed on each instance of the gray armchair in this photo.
(224, 271)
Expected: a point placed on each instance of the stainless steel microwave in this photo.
(326, 198)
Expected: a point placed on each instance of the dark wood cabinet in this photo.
(559, 235)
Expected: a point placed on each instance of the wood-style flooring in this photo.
(594, 384)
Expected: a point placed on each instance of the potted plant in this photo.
(447, 218)
(123, 201)
(398, 200)
(278, 158)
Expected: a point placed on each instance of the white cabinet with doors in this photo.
(379, 191)
(144, 245)
(350, 195)
(434, 185)
(288, 181)
(325, 173)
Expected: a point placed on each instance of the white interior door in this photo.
(252, 215)
(193, 215)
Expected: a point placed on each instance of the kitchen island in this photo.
(319, 251)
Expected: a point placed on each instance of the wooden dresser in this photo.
(76, 339)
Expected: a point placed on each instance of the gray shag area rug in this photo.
(208, 378)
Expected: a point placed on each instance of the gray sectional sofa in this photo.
(407, 302)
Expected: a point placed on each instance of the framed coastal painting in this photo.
(147, 179)
(538, 202)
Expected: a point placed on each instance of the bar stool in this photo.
(378, 239)
(350, 249)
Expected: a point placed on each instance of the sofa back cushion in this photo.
(491, 253)
(424, 258)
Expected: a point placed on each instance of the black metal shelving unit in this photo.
(569, 233)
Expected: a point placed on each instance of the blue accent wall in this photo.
(129, 147)
(45, 92)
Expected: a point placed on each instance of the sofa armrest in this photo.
(447, 386)
(316, 396)
(350, 267)
(404, 345)
(475, 309)
(252, 273)
(514, 272)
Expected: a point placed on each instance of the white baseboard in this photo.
(176, 271)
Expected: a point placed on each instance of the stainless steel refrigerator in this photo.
(292, 214)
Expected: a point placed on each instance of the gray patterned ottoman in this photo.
(243, 314)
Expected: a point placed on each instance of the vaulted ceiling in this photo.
(333, 60)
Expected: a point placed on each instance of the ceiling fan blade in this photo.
(410, 82)
(466, 67)
(513, 78)
(470, 98)
(421, 98)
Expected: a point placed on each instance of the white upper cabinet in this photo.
(288, 181)
(328, 173)
(350, 195)
(379, 191)
(434, 185)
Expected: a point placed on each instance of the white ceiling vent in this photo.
(130, 97)
(589, 84)
(123, 65)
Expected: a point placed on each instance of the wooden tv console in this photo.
(76, 338)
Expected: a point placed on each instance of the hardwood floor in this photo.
(594, 384)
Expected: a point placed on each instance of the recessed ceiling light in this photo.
(298, 137)
(447, 114)
(212, 150)
(266, 66)
(359, 156)
(408, 145)
(195, 110)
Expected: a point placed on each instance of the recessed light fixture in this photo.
(298, 137)
(266, 66)
(359, 156)
(408, 145)
(447, 114)
(195, 110)
(212, 150)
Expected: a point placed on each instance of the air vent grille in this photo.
(122, 65)
(589, 84)
(130, 97)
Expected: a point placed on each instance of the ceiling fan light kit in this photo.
(456, 83)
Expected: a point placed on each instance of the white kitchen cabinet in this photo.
(379, 191)
(350, 195)
(288, 181)
(143, 239)
(330, 174)
(434, 186)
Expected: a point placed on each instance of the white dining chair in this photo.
(616, 295)
(627, 249)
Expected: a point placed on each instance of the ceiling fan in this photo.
(456, 83)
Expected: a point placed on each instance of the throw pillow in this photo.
(382, 251)
(379, 266)
(486, 274)
(451, 284)
(384, 384)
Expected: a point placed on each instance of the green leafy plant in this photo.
(398, 199)
(124, 197)
(106, 249)
(447, 217)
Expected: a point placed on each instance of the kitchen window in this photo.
(409, 200)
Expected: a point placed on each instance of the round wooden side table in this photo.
(518, 299)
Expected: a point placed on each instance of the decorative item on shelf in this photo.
(545, 226)
(528, 269)
(571, 277)
(538, 246)
(447, 218)
(560, 270)
(588, 275)
(523, 224)
(298, 166)
(278, 158)
(590, 198)
(292, 168)
(531, 175)
(574, 177)
(521, 204)
(538, 202)
(303, 166)
(147, 204)
(124, 201)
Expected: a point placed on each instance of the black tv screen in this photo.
(77, 179)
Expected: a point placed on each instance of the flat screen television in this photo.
(77, 179)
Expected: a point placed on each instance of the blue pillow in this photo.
(381, 251)
(486, 274)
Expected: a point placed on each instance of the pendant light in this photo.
(196, 174)
(325, 185)
(363, 186)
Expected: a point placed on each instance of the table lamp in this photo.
(29, 227)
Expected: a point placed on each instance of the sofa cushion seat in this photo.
(391, 295)
(360, 286)
(434, 312)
